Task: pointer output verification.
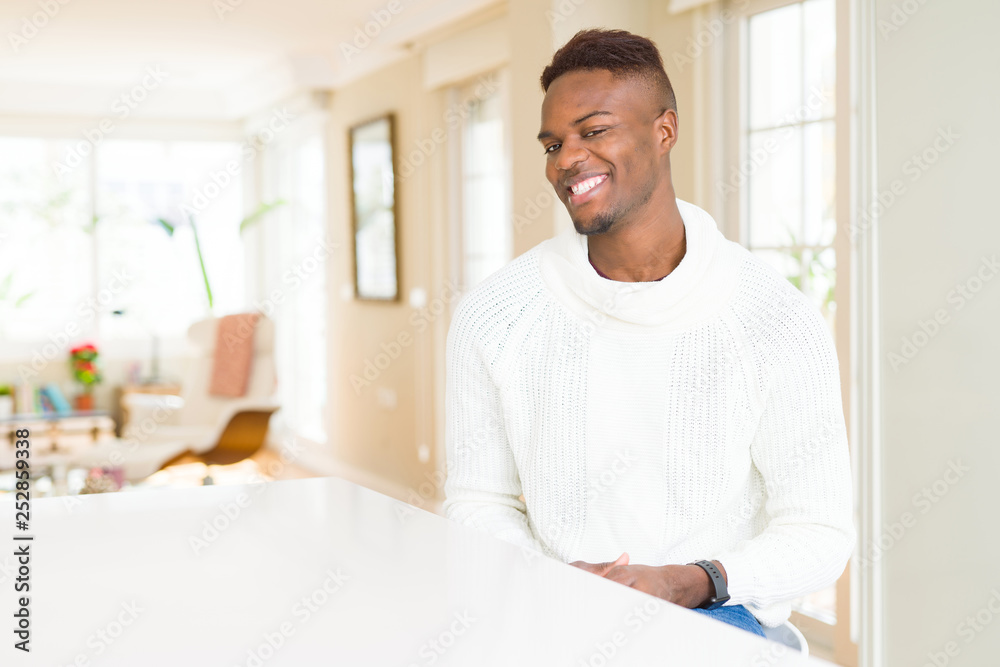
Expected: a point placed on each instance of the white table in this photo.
(328, 573)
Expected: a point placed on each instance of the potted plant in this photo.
(83, 361)
(6, 401)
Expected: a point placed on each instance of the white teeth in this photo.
(582, 187)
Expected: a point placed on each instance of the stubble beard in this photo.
(603, 222)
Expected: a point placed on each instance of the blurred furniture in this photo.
(163, 428)
(56, 440)
(53, 432)
(788, 635)
(154, 388)
(242, 437)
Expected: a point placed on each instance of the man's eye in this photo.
(548, 149)
(595, 132)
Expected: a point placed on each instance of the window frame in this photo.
(835, 641)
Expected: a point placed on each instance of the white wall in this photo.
(937, 72)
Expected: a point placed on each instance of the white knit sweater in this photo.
(696, 417)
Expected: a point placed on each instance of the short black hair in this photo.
(620, 52)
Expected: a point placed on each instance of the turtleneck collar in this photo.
(696, 287)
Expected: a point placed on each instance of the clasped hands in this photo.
(686, 585)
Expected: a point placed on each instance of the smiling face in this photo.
(607, 147)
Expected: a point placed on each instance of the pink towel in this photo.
(233, 355)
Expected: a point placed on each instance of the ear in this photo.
(666, 130)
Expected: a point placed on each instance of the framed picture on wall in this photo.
(374, 210)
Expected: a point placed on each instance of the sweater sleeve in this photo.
(800, 449)
(482, 488)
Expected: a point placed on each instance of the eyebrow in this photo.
(546, 134)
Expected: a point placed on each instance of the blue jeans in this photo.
(736, 615)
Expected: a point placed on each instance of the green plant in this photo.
(170, 228)
(262, 210)
(6, 390)
(7, 295)
(246, 223)
(815, 268)
(35, 196)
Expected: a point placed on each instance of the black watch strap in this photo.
(721, 592)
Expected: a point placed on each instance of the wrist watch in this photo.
(721, 596)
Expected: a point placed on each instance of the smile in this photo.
(586, 190)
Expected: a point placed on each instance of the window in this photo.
(46, 245)
(295, 255)
(81, 239)
(790, 137)
(158, 273)
(485, 231)
(786, 197)
(143, 238)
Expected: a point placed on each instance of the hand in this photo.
(685, 585)
(601, 569)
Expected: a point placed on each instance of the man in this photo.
(658, 395)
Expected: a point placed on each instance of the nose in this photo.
(570, 154)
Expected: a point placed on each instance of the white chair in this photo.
(788, 635)
(220, 429)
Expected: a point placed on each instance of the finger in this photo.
(601, 568)
(588, 567)
(594, 568)
(607, 567)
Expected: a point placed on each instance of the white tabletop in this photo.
(322, 571)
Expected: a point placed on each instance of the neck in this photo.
(647, 248)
